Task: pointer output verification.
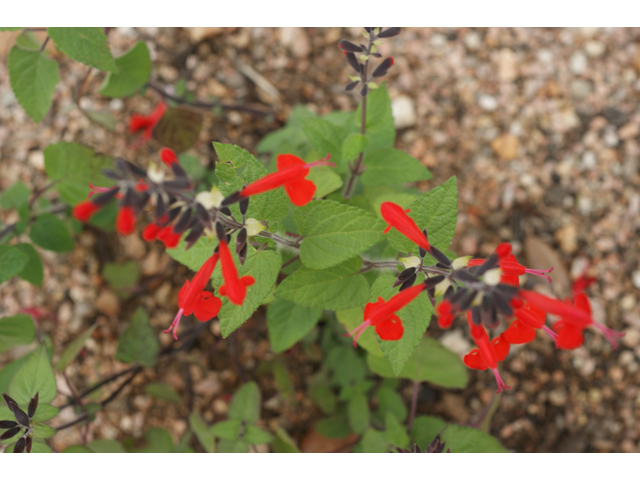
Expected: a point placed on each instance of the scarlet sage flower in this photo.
(523, 328)
(193, 299)
(574, 319)
(397, 218)
(125, 220)
(147, 123)
(290, 175)
(488, 353)
(382, 316)
(511, 269)
(234, 288)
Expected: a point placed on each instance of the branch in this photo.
(207, 105)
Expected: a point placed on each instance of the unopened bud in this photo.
(254, 227)
(410, 262)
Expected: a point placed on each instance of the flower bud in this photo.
(460, 262)
(492, 277)
(410, 262)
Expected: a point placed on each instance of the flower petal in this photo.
(300, 191)
(474, 360)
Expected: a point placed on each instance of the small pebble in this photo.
(487, 102)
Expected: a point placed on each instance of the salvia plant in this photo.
(324, 230)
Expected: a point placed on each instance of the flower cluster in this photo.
(487, 290)
(180, 213)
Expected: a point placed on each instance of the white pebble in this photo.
(472, 41)
(404, 111)
(578, 63)
(594, 48)
(635, 278)
(487, 102)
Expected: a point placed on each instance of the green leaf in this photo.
(202, 432)
(74, 348)
(336, 288)
(283, 443)
(430, 362)
(437, 210)
(77, 449)
(51, 233)
(102, 117)
(233, 446)
(334, 232)
(158, 441)
(324, 398)
(162, 391)
(470, 440)
(358, 413)
(16, 330)
(325, 179)
(425, 429)
(179, 128)
(288, 323)
(333, 427)
(233, 154)
(75, 166)
(106, 445)
(14, 196)
(43, 431)
(374, 441)
(138, 343)
(33, 79)
(134, 69)
(388, 166)
(28, 41)
(12, 262)
(390, 401)
(245, 404)
(195, 257)
(415, 320)
(122, 277)
(34, 376)
(32, 271)
(45, 412)
(84, 44)
(325, 137)
(226, 430)
(395, 431)
(353, 145)
(257, 436)
(9, 370)
(263, 267)
(368, 340)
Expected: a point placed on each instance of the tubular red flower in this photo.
(397, 218)
(382, 316)
(125, 221)
(193, 299)
(167, 236)
(445, 314)
(85, 210)
(150, 232)
(291, 175)
(168, 156)
(234, 288)
(147, 123)
(488, 353)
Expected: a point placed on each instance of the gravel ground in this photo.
(541, 127)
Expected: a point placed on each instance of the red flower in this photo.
(193, 299)
(147, 123)
(126, 220)
(168, 156)
(235, 288)
(488, 353)
(445, 314)
(575, 318)
(167, 236)
(150, 232)
(523, 329)
(396, 217)
(510, 267)
(85, 210)
(290, 174)
(381, 315)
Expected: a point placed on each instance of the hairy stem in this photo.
(414, 405)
